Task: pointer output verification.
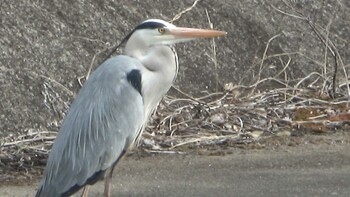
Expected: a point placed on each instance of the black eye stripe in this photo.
(150, 25)
(145, 25)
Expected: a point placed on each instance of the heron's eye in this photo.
(161, 30)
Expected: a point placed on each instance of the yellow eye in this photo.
(161, 30)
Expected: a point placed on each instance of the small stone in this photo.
(218, 118)
(283, 134)
(256, 134)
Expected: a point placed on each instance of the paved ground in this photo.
(307, 170)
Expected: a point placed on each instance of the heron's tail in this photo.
(44, 192)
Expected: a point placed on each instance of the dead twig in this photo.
(324, 38)
(178, 16)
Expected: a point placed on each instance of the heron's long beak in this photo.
(192, 33)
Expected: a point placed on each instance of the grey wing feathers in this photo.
(103, 121)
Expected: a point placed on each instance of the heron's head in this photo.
(159, 32)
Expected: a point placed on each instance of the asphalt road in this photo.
(308, 170)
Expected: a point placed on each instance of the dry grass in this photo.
(219, 118)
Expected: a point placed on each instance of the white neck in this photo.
(158, 69)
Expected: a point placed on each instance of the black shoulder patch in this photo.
(135, 79)
(150, 25)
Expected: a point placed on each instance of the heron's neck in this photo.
(161, 71)
(158, 66)
(136, 48)
(159, 59)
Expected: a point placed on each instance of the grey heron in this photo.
(111, 110)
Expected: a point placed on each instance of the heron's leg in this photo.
(86, 191)
(108, 178)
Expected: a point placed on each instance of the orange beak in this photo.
(183, 32)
